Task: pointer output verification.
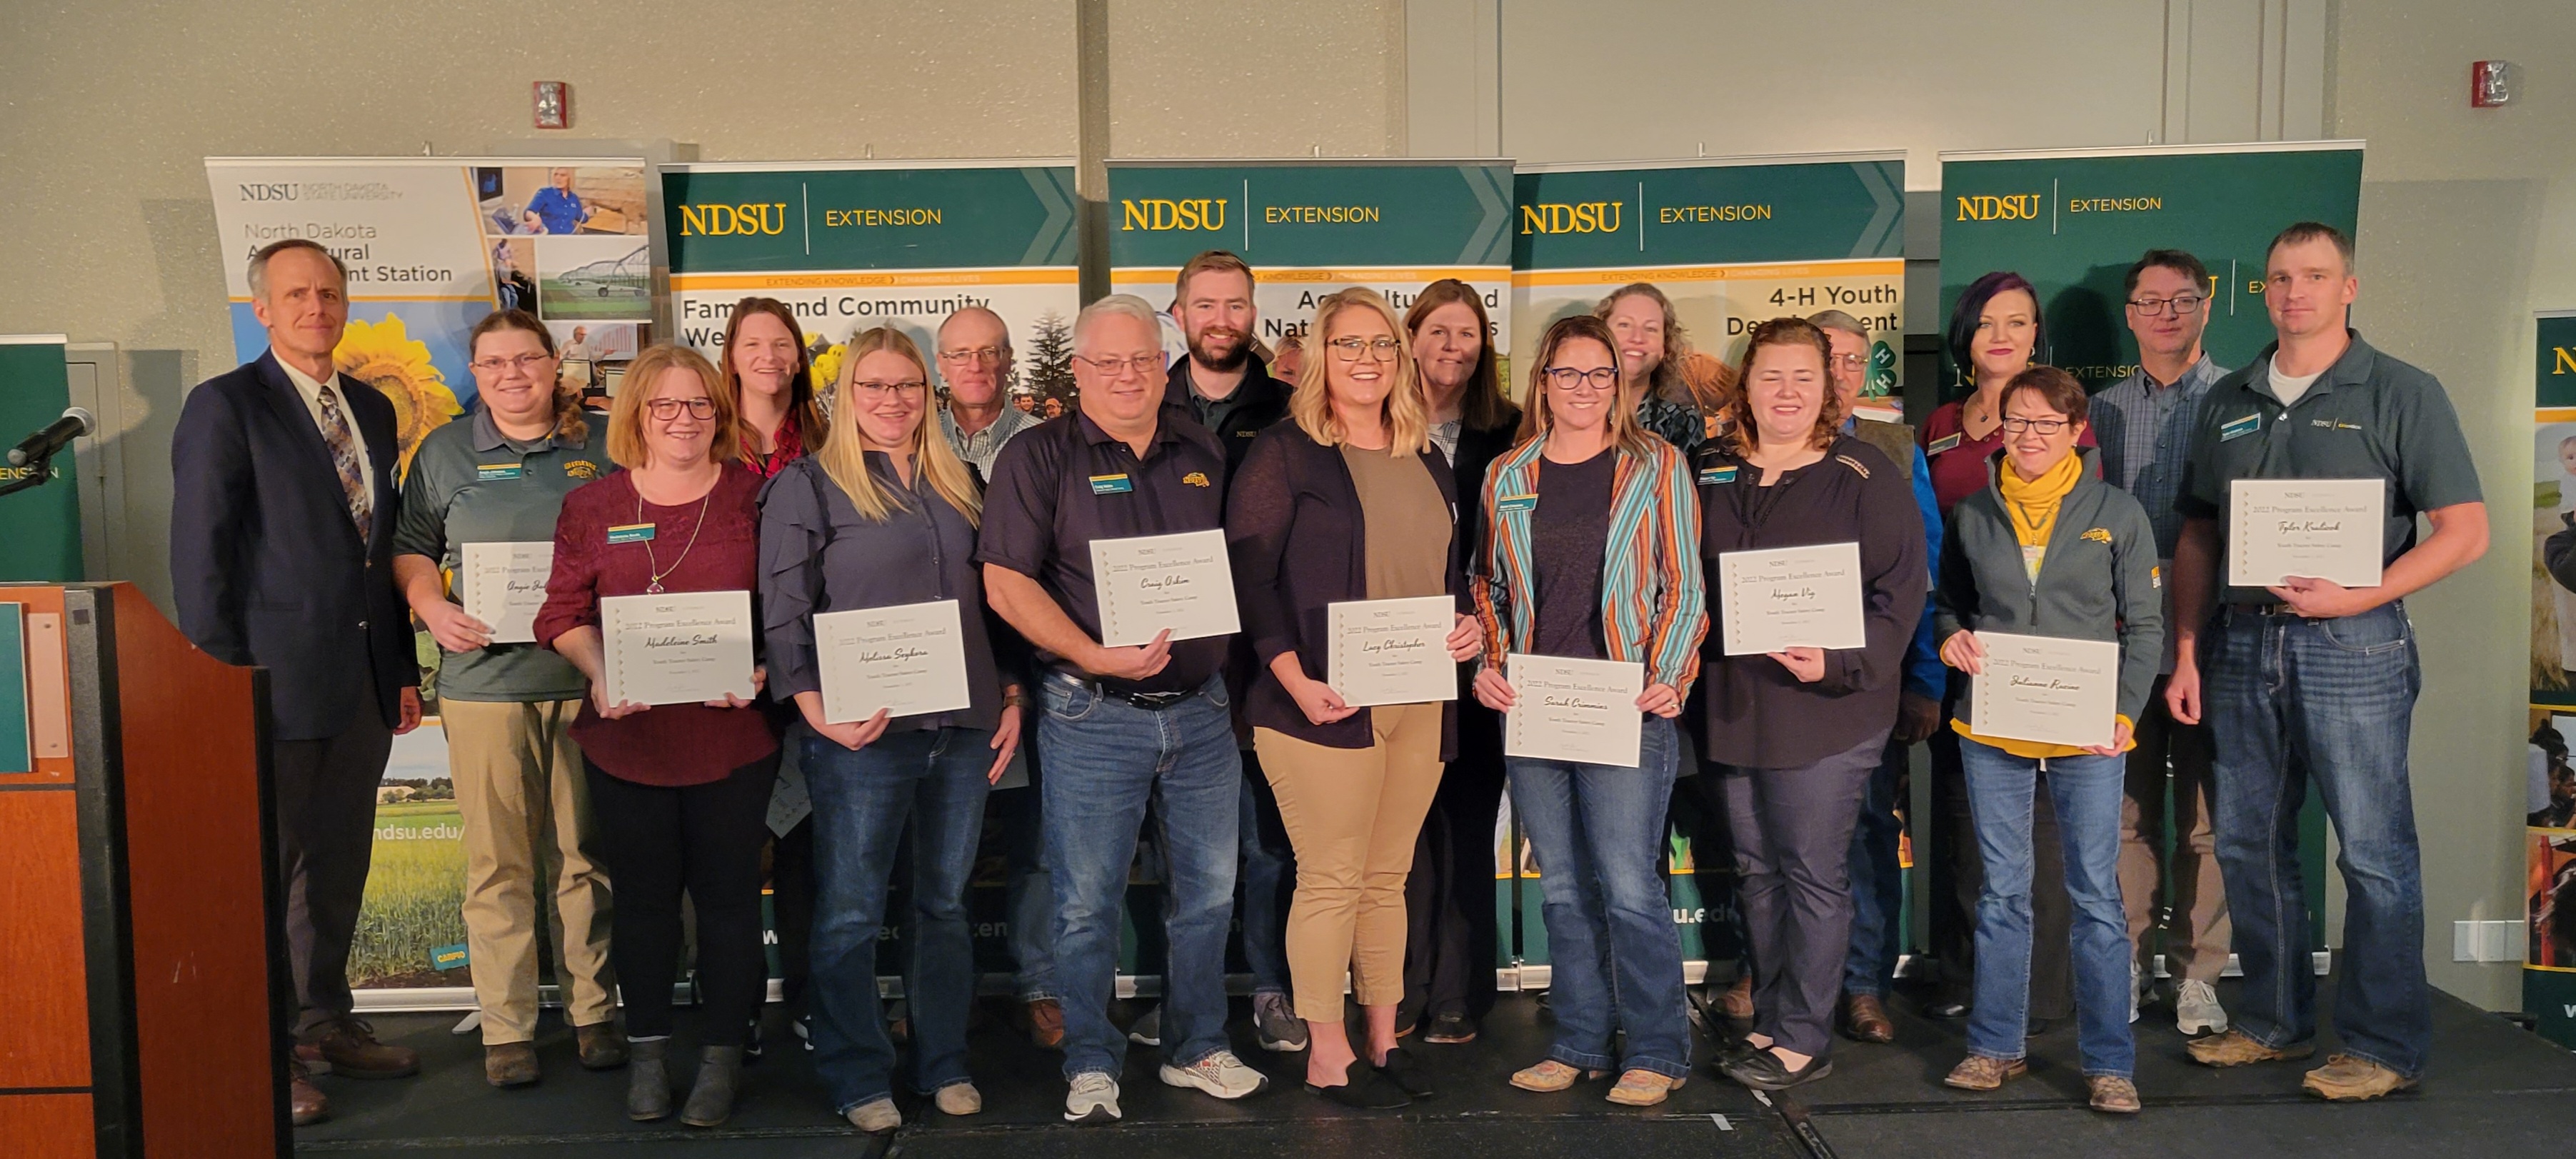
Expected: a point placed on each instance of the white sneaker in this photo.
(1220, 1074)
(2137, 988)
(1093, 1099)
(2196, 1009)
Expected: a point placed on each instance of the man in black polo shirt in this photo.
(2307, 679)
(1122, 725)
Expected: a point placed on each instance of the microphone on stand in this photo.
(54, 436)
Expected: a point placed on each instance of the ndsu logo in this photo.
(2007, 207)
(278, 191)
(724, 220)
(1575, 217)
(1158, 214)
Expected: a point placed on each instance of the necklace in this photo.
(653, 587)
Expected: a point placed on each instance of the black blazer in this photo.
(265, 565)
(1295, 532)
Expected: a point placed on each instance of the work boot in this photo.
(510, 1064)
(648, 1080)
(711, 1097)
(2345, 1079)
(602, 1047)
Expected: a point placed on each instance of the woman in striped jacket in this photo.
(1592, 552)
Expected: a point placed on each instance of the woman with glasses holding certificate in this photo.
(874, 613)
(650, 598)
(1817, 575)
(2049, 599)
(1341, 528)
(478, 524)
(1589, 583)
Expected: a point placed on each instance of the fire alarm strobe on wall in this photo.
(2490, 83)
(552, 101)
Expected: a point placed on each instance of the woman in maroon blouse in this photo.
(680, 792)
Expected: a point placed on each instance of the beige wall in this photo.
(2468, 224)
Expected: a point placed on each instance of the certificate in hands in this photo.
(906, 660)
(2328, 529)
(2045, 689)
(1392, 651)
(1791, 597)
(677, 647)
(1152, 582)
(1574, 710)
(504, 584)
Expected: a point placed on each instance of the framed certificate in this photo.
(1152, 582)
(1392, 651)
(1791, 597)
(906, 660)
(504, 584)
(2328, 529)
(677, 647)
(2042, 688)
(1574, 710)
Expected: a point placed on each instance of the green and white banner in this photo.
(2072, 221)
(1732, 241)
(40, 525)
(853, 245)
(1309, 228)
(2549, 819)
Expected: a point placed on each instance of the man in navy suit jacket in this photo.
(281, 555)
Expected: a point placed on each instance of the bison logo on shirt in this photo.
(1196, 479)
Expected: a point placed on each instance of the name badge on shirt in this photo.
(1712, 476)
(1111, 484)
(488, 472)
(2239, 427)
(1944, 443)
(630, 533)
(1515, 503)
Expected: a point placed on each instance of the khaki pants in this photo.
(519, 784)
(2197, 934)
(1352, 815)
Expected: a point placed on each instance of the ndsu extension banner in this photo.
(853, 245)
(2549, 973)
(432, 245)
(1309, 228)
(2073, 220)
(1732, 241)
(40, 525)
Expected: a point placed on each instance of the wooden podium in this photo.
(140, 961)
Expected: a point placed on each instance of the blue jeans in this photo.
(1106, 759)
(932, 782)
(2087, 791)
(1598, 832)
(1269, 883)
(2290, 701)
(1877, 881)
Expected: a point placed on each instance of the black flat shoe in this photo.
(1763, 1071)
(1408, 1075)
(1450, 1028)
(1364, 1089)
(1731, 1050)
(1947, 1008)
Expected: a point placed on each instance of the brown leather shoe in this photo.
(1979, 1073)
(1737, 1002)
(2113, 1095)
(2237, 1048)
(2345, 1079)
(1045, 1019)
(350, 1045)
(304, 1102)
(510, 1064)
(310, 1054)
(602, 1047)
(1865, 1019)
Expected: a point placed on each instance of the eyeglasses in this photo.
(1848, 361)
(524, 363)
(1113, 367)
(1350, 349)
(1568, 379)
(2017, 424)
(976, 354)
(2181, 305)
(878, 391)
(667, 409)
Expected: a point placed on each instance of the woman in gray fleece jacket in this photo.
(2049, 549)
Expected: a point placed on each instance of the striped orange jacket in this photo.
(1654, 604)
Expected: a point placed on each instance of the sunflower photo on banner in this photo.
(432, 245)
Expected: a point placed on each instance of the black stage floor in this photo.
(2494, 1090)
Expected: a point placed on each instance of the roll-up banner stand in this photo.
(2073, 221)
(1732, 241)
(41, 522)
(2549, 966)
(849, 246)
(1309, 228)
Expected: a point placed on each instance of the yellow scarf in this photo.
(2032, 506)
